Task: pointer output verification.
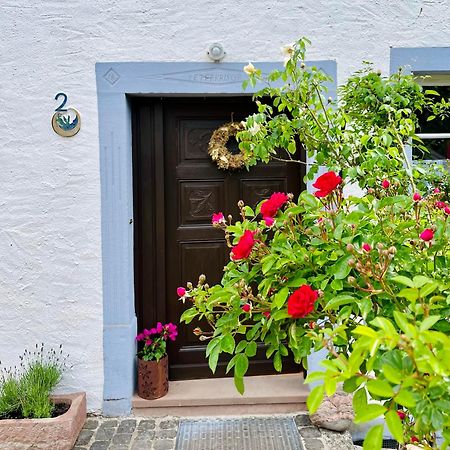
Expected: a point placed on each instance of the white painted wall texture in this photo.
(50, 240)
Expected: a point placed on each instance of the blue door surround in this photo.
(116, 81)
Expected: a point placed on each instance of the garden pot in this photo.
(153, 378)
(58, 433)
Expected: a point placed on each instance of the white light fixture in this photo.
(216, 51)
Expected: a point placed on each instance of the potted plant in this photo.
(366, 278)
(30, 417)
(153, 367)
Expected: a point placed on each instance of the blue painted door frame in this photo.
(116, 81)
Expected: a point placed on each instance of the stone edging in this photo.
(314, 438)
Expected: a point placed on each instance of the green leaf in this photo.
(277, 362)
(428, 322)
(402, 322)
(213, 358)
(188, 315)
(241, 366)
(241, 345)
(393, 375)
(281, 296)
(315, 398)
(429, 288)
(370, 412)
(374, 438)
(403, 280)
(405, 398)
(251, 349)
(239, 383)
(340, 300)
(412, 294)
(341, 268)
(227, 343)
(380, 388)
(395, 425)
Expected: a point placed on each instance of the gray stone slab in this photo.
(239, 434)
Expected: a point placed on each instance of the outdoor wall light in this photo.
(216, 51)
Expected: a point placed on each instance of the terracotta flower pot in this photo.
(59, 433)
(153, 378)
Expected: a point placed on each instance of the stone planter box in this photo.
(59, 433)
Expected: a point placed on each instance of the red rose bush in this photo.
(367, 278)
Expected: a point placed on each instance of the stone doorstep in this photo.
(44, 433)
(264, 394)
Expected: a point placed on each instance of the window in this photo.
(435, 134)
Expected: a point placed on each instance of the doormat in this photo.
(239, 434)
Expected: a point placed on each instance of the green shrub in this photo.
(25, 392)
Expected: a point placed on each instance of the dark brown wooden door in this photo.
(177, 188)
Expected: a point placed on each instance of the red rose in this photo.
(246, 307)
(401, 414)
(427, 234)
(417, 197)
(181, 292)
(440, 205)
(266, 314)
(326, 184)
(244, 247)
(447, 210)
(414, 439)
(218, 218)
(366, 247)
(301, 301)
(270, 207)
(385, 184)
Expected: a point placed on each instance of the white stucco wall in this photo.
(50, 240)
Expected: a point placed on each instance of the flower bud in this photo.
(302, 65)
(201, 279)
(240, 203)
(351, 280)
(380, 246)
(351, 262)
(350, 247)
(392, 250)
(189, 285)
(197, 331)
(202, 338)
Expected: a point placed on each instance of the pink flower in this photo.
(447, 210)
(218, 218)
(436, 191)
(270, 207)
(159, 327)
(326, 184)
(244, 247)
(417, 197)
(170, 331)
(181, 292)
(427, 234)
(366, 247)
(385, 184)
(148, 342)
(269, 221)
(246, 307)
(440, 205)
(140, 337)
(146, 333)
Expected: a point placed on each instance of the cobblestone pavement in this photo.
(134, 433)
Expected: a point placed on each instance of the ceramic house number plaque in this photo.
(65, 121)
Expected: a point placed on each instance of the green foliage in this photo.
(25, 391)
(383, 289)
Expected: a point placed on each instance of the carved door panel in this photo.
(193, 189)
